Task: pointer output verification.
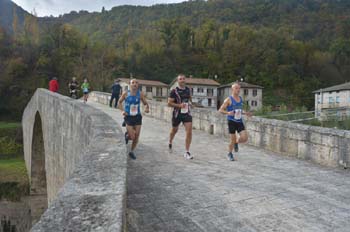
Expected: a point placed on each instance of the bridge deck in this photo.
(261, 191)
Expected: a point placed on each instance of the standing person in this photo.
(115, 93)
(53, 85)
(73, 86)
(233, 108)
(86, 88)
(180, 99)
(132, 113)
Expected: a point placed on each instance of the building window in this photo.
(254, 103)
(159, 91)
(337, 99)
(148, 89)
(210, 92)
(255, 92)
(191, 91)
(246, 92)
(209, 101)
(247, 102)
(330, 100)
(200, 90)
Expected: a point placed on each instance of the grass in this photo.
(9, 125)
(13, 178)
(13, 174)
(12, 169)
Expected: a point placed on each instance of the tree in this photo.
(167, 28)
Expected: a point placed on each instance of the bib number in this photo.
(85, 90)
(134, 109)
(185, 109)
(238, 114)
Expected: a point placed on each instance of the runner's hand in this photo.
(124, 113)
(231, 113)
(147, 110)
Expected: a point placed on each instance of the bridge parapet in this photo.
(76, 154)
(325, 146)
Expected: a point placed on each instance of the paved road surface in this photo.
(262, 191)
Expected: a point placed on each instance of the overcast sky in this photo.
(57, 7)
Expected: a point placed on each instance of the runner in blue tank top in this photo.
(233, 108)
(132, 113)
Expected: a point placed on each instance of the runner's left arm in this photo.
(145, 103)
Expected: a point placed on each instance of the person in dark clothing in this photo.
(73, 86)
(181, 100)
(115, 93)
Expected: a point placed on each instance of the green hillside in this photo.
(291, 47)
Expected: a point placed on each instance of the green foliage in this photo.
(13, 191)
(13, 178)
(9, 146)
(9, 125)
(283, 46)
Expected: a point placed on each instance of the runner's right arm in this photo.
(223, 108)
(120, 103)
(171, 101)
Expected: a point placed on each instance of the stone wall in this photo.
(84, 164)
(328, 147)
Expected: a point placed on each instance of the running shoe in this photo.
(132, 155)
(126, 138)
(230, 157)
(188, 155)
(170, 146)
(236, 147)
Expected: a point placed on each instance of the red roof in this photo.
(145, 82)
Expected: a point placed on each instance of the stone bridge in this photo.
(289, 178)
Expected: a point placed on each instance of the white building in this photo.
(204, 91)
(251, 94)
(154, 90)
(333, 101)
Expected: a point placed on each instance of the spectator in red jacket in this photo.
(53, 85)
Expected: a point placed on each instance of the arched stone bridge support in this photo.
(75, 154)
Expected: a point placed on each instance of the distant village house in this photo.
(204, 91)
(333, 101)
(154, 90)
(251, 94)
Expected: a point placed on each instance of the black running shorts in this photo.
(181, 118)
(133, 120)
(235, 126)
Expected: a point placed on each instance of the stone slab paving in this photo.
(262, 191)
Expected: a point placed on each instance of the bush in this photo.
(9, 146)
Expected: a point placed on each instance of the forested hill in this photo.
(290, 47)
(10, 12)
(318, 21)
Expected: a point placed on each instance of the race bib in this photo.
(185, 109)
(238, 114)
(134, 109)
(86, 90)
